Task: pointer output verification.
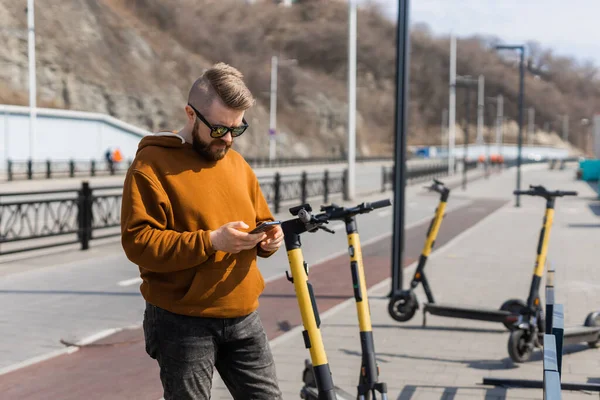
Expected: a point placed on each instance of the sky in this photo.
(570, 28)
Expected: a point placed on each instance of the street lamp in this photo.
(400, 128)
(466, 82)
(351, 99)
(32, 78)
(498, 101)
(521, 48)
(273, 102)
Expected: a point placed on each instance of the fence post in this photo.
(85, 215)
(48, 169)
(345, 184)
(10, 170)
(71, 168)
(303, 186)
(277, 190)
(326, 186)
(93, 168)
(29, 169)
(382, 178)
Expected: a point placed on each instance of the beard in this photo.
(204, 149)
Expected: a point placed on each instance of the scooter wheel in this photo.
(513, 306)
(520, 345)
(402, 307)
(593, 319)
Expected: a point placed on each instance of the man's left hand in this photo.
(273, 240)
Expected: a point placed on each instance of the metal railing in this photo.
(419, 173)
(43, 219)
(29, 170)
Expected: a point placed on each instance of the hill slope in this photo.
(135, 60)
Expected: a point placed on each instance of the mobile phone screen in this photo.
(265, 226)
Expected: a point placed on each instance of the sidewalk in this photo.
(449, 358)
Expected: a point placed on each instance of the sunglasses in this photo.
(218, 131)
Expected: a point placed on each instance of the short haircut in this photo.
(224, 82)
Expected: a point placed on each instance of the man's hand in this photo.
(230, 239)
(273, 239)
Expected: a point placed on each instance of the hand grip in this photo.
(379, 204)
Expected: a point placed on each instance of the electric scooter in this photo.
(403, 306)
(555, 327)
(292, 229)
(369, 371)
(528, 330)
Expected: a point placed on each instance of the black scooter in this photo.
(403, 306)
(528, 331)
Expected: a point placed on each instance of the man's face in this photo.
(218, 114)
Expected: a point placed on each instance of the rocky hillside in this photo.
(135, 60)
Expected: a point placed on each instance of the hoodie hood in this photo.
(163, 139)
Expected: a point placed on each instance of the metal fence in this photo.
(42, 219)
(29, 170)
(419, 173)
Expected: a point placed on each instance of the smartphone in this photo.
(265, 226)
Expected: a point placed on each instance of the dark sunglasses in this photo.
(218, 131)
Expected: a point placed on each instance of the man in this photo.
(189, 202)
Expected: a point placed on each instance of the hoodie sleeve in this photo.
(144, 235)
(263, 213)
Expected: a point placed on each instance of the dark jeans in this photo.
(189, 348)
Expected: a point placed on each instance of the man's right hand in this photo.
(230, 239)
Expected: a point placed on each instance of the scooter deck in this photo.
(311, 393)
(479, 314)
(578, 334)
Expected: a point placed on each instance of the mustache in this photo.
(220, 141)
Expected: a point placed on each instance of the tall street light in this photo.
(351, 99)
(520, 48)
(32, 80)
(469, 83)
(275, 63)
(401, 125)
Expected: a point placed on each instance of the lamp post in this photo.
(521, 49)
(466, 82)
(32, 77)
(401, 125)
(498, 101)
(351, 99)
(275, 63)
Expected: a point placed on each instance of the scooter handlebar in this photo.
(543, 192)
(437, 186)
(378, 204)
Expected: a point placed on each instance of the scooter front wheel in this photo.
(593, 319)
(520, 345)
(403, 306)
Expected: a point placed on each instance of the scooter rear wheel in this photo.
(520, 345)
(593, 319)
(513, 306)
(403, 306)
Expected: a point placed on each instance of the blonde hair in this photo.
(224, 82)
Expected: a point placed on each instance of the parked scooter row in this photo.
(524, 319)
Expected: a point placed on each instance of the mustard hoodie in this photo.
(172, 200)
